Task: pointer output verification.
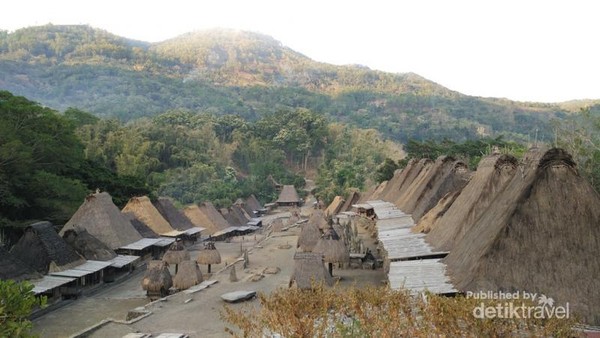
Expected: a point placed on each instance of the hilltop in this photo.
(248, 74)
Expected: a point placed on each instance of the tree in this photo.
(16, 303)
(386, 170)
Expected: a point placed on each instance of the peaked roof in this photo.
(288, 195)
(205, 215)
(87, 245)
(141, 227)
(144, 211)
(309, 269)
(13, 268)
(103, 220)
(44, 250)
(175, 217)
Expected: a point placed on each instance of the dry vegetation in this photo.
(378, 312)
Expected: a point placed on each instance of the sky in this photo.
(524, 50)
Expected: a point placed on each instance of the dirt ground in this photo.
(197, 314)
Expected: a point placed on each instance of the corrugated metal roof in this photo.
(420, 275)
(173, 233)
(141, 244)
(49, 283)
(122, 260)
(84, 269)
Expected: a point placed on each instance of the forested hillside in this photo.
(223, 72)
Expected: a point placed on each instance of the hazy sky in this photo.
(524, 50)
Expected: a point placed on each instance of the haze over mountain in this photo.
(249, 74)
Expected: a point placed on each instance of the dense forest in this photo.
(223, 72)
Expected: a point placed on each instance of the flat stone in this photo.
(238, 296)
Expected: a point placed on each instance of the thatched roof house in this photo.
(491, 177)
(353, 198)
(13, 268)
(309, 236)
(176, 254)
(231, 218)
(189, 274)
(209, 255)
(143, 210)
(87, 245)
(44, 250)
(157, 280)
(318, 218)
(205, 215)
(308, 270)
(540, 234)
(140, 226)
(171, 214)
(103, 220)
(413, 174)
(288, 197)
(332, 247)
(335, 206)
(252, 204)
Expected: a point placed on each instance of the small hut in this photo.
(210, 255)
(103, 220)
(13, 268)
(176, 254)
(157, 280)
(288, 197)
(174, 216)
(144, 211)
(44, 250)
(87, 245)
(332, 248)
(189, 274)
(309, 270)
(309, 237)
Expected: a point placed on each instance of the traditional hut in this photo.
(208, 216)
(44, 250)
(491, 177)
(189, 274)
(210, 255)
(353, 198)
(309, 236)
(171, 214)
(140, 226)
(13, 268)
(157, 280)
(319, 219)
(253, 207)
(176, 254)
(413, 175)
(539, 235)
(87, 245)
(231, 218)
(103, 220)
(288, 197)
(309, 270)
(335, 206)
(429, 220)
(144, 211)
(332, 248)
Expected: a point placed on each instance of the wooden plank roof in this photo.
(421, 275)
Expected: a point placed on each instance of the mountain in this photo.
(248, 74)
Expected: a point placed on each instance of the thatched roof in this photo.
(231, 218)
(157, 277)
(288, 195)
(13, 268)
(176, 253)
(318, 218)
(422, 183)
(334, 207)
(309, 236)
(353, 198)
(309, 269)
(171, 214)
(540, 234)
(143, 210)
(252, 204)
(491, 177)
(188, 275)
(376, 194)
(428, 221)
(103, 220)
(332, 247)
(87, 245)
(206, 215)
(413, 173)
(239, 214)
(44, 250)
(140, 226)
(209, 255)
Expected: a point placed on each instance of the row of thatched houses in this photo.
(100, 242)
(530, 225)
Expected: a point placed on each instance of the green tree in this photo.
(16, 303)
(386, 170)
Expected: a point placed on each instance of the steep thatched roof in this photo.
(332, 247)
(140, 226)
(414, 173)
(491, 177)
(252, 204)
(87, 245)
(157, 277)
(425, 181)
(44, 250)
(540, 234)
(143, 210)
(171, 214)
(207, 216)
(188, 275)
(176, 253)
(209, 255)
(231, 218)
(395, 183)
(13, 268)
(317, 217)
(428, 221)
(309, 269)
(376, 194)
(309, 236)
(334, 207)
(239, 214)
(288, 195)
(103, 220)
(353, 198)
